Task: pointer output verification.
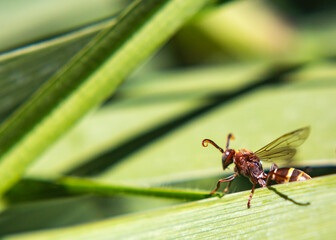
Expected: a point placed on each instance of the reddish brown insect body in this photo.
(248, 163)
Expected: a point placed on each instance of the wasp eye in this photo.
(256, 164)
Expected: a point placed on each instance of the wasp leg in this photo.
(270, 177)
(252, 191)
(229, 137)
(227, 187)
(274, 166)
(229, 179)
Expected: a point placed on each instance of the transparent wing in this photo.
(283, 148)
(284, 153)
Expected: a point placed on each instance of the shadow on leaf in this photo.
(284, 196)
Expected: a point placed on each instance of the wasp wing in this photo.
(277, 154)
(283, 148)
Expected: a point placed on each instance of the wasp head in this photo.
(227, 158)
(227, 155)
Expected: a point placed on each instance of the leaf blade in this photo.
(31, 129)
(218, 218)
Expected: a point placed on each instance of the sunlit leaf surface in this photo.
(133, 167)
(222, 218)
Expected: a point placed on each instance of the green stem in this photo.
(82, 185)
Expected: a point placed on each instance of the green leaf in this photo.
(227, 217)
(79, 86)
(70, 185)
(144, 144)
(26, 22)
(256, 118)
(23, 70)
(153, 100)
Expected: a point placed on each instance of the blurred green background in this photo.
(258, 69)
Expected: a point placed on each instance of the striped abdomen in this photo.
(283, 175)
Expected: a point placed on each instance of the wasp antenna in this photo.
(229, 137)
(206, 141)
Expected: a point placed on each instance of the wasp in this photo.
(248, 163)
